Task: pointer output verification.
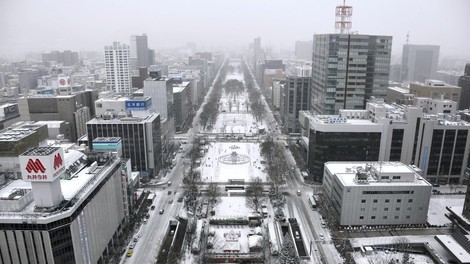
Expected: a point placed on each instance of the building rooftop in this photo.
(80, 180)
(373, 174)
(18, 131)
(40, 151)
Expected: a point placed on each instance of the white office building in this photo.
(377, 193)
(118, 72)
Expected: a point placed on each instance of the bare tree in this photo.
(254, 194)
(213, 192)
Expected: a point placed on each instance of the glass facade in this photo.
(339, 146)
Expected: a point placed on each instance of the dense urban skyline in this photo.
(42, 26)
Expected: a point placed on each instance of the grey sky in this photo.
(45, 25)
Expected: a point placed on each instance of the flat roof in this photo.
(455, 248)
(346, 173)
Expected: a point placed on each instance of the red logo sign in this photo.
(57, 161)
(35, 166)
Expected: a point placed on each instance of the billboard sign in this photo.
(142, 104)
(42, 168)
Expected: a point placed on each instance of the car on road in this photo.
(169, 192)
(170, 201)
(161, 211)
(129, 252)
(322, 237)
(299, 193)
(152, 207)
(132, 245)
(180, 199)
(136, 238)
(297, 235)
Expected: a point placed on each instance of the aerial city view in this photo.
(135, 132)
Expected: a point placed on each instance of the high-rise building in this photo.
(420, 134)
(28, 79)
(151, 54)
(139, 51)
(464, 84)
(303, 50)
(141, 140)
(294, 97)
(68, 208)
(118, 71)
(362, 60)
(161, 92)
(182, 103)
(419, 62)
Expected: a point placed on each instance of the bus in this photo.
(312, 202)
(234, 187)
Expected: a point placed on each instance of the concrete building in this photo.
(419, 134)
(64, 211)
(436, 89)
(76, 109)
(303, 50)
(464, 84)
(362, 60)
(9, 114)
(419, 62)
(449, 77)
(65, 58)
(139, 51)
(268, 70)
(141, 140)
(117, 105)
(118, 68)
(399, 95)
(57, 129)
(182, 103)
(278, 88)
(161, 92)
(377, 193)
(294, 97)
(28, 79)
(15, 140)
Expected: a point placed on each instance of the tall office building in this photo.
(141, 140)
(303, 50)
(419, 62)
(464, 84)
(139, 51)
(118, 72)
(295, 97)
(362, 60)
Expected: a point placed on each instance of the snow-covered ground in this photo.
(231, 207)
(437, 208)
(225, 161)
(379, 257)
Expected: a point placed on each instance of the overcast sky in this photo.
(45, 25)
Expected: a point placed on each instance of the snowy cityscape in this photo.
(245, 132)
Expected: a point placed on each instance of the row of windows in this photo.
(384, 217)
(388, 192)
(386, 200)
(363, 209)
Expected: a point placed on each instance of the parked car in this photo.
(132, 245)
(129, 252)
(169, 192)
(170, 201)
(161, 211)
(180, 199)
(322, 237)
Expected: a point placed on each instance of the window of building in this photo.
(398, 200)
(363, 201)
(386, 209)
(384, 217)
(387, 200)
(375, 200)
(361, 217)
(397, 209)
(363, 209)
(372, 217)
(396, 177)
(408, 217)
(410, 200)
(396, 216)
(408, 209)
(374, 209)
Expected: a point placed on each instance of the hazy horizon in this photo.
(43, 26)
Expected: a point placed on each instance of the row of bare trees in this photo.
(210, 110)
(258, 109)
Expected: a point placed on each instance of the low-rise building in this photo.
(377, 193)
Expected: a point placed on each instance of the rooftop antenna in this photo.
(343, 18)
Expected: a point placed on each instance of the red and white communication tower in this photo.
(343, 18)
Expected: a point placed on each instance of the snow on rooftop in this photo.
(437, 208)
